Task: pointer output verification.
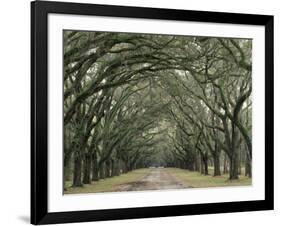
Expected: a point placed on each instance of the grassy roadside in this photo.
(190, 179)
(197, 180)
(108, 184)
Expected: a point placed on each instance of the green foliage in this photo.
(134, 100)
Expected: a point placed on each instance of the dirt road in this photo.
(158, 178)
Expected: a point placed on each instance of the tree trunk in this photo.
(225, 164)
(116, 169)
(77, 174)
(239, 160)
(206, 171)
(234, 160)
(217, 170)
(248, 167)
(196, 163)
(66, 169)
(201, 165)
(124, 168)
(95, 167)
(233, 173)
(112, 168)
(102, 171)
(107, 168)
(87, 169)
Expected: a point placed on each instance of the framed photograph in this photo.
(144, 112)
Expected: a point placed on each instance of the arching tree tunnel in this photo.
(135, 101)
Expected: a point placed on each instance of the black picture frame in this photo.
(39, 112)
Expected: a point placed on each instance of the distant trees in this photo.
(127, 97)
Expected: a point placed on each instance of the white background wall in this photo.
(15, 113)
